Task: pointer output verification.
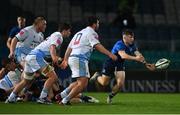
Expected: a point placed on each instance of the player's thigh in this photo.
(82, 81)
(105, 79)
(120, 77)
(48, 71)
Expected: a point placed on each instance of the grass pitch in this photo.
(123, 103)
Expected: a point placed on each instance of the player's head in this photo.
(93, 21)
(65, 29)
(40, 24)
(128, 36)
(21, 21)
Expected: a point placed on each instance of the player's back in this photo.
(29, 38)
(83, 42)
(43, 48)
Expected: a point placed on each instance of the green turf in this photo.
(123, 103)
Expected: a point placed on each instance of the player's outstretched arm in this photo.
(103, 50)
(150, 66)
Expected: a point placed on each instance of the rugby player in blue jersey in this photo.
(124, 49)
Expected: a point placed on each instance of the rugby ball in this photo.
(162, 63)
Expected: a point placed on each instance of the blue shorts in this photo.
(110, 66)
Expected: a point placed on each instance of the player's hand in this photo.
(113, 57)
(11, 55)
(57, 61)
(64, 64)
(150, 67)
(140, 58)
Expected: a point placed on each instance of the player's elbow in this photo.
(123, 56)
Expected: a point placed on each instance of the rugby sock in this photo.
(25, 90)
(111, 95)
(65, 93)
(12, 96)
(65, 100)
(44, 93)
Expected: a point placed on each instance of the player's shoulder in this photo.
(28, 28)
(119, 42)
(89, 30)
(14, 28)
(56, 34)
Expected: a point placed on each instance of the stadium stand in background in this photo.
(156, 22)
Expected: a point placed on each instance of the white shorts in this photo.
(34, 63)
(20, 55)
(5, 83)
(79, 67)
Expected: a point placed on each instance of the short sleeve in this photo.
(22, 35)
(56, 40)
(120, 47)
(93, 39)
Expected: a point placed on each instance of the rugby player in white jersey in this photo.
(35, 63)
(77, 56)
(10, 77)
(27, 39)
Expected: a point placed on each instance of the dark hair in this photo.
(22, 17)
(127, 32)
(92, 20)
(64, 26)
(38, 19)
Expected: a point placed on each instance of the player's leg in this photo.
(120, 78)
(80, 72)
(107, 71)
(25, 81)
(65, 92)
(49, 72)
(82, 83)
(103, 80)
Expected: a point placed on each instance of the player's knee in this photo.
(55, 78)
(103, 81)
(120, 83)
(48, 71)
(28, 76)
(83, 83)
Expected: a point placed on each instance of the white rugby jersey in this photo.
(14, 76)
(29, 39)
(83, 42)
(43, 48)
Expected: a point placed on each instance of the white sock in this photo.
(44, 93)
(66, 99)
(12, 97)
(65, 93)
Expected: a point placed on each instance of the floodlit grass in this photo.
(146, 103)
